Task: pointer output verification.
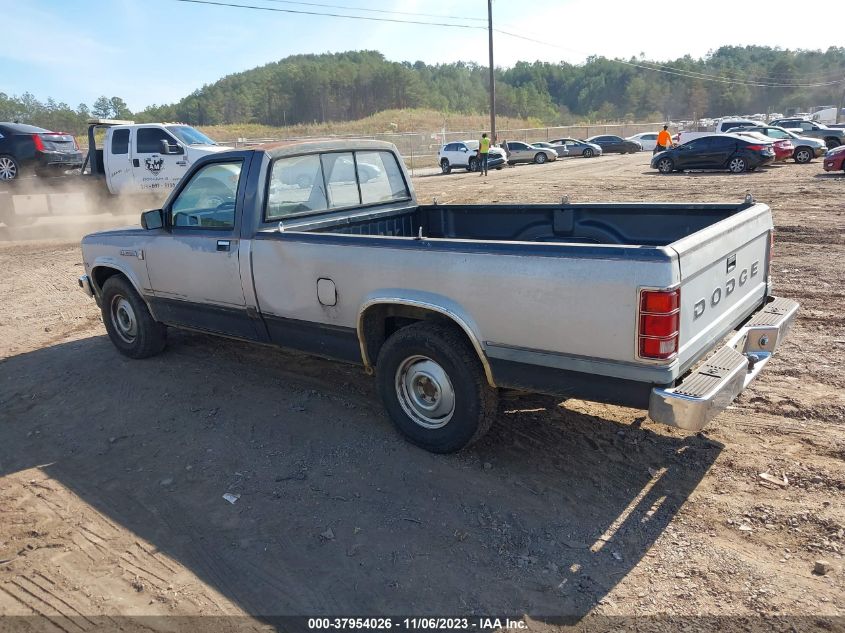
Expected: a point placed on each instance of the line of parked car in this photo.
(464, 154)
(740, 145)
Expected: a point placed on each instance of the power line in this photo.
(332, 15)
(669, 70)
(340, 6)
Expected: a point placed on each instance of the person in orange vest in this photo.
(664, 140)
(483, 153)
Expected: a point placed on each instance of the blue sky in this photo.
(157, 51)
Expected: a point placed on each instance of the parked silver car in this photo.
(577, 147)
(519, 152)
(560, 149)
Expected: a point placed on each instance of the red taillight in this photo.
(756, 148)
(660, 301)
(39, 143)
(658, 348)
(659, 323)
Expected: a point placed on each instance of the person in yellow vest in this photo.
(664, 140)
(483, 153)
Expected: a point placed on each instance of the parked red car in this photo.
(783, 150)
(834, 160)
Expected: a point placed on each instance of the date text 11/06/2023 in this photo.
(416, 624)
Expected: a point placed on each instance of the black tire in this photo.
(128, 322)
(832, 142)
(588, 152)
(418, 357)
(737, 165)
(445, 167)
(540, 158)
(473, 165)
(666, 165)
(10, 169)
(802, 155)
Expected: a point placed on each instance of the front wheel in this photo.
(540, 158)
(434, 388)
(803, 155)
(130, 326)
(832, 142)
(473, 165)
(665, 166)
(587, 153)
(445, 167)
(737, 165)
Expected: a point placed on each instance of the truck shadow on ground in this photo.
(337, 514)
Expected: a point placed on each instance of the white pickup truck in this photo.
(665, 307)
(140, 159)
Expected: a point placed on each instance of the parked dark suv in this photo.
(25, 146)
(720, 151)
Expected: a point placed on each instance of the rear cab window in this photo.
(314, 183)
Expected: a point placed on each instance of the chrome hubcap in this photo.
(737, 165)
(425, 392)
(665, 165)
(803, 156)
(8, 170)
(123, 319)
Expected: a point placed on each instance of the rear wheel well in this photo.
(382, 320)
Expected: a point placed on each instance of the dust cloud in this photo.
(66, 208)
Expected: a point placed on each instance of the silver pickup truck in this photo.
(323, 247)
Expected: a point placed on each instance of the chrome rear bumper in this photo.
(704, 393)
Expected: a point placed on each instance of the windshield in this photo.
(190, 136)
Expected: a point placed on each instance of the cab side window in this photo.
(150, 138)
(208, 200)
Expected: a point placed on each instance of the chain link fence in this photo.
(419, 149)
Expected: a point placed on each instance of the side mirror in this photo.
(152, 219)
(170, 148)
(464, 149)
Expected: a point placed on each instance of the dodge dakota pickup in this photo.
(665, 307)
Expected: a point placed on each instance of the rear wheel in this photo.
(737, 165)
(665, 165)
(540, 158)
(803, 155)
(587, 153)
(434, 387)
(9, 168)
(445, 167)
(832, 142)
(128, 322)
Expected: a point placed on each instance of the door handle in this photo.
(223, 245)
(136, 162)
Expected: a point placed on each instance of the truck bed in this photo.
(642, 224)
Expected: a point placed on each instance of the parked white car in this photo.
(647, 139)
(463, 154)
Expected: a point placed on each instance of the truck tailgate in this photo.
(724, 277)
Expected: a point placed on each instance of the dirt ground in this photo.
(112, 471)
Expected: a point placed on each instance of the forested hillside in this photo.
(304, 89)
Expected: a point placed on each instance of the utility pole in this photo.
(492, 79)
(841, 104)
